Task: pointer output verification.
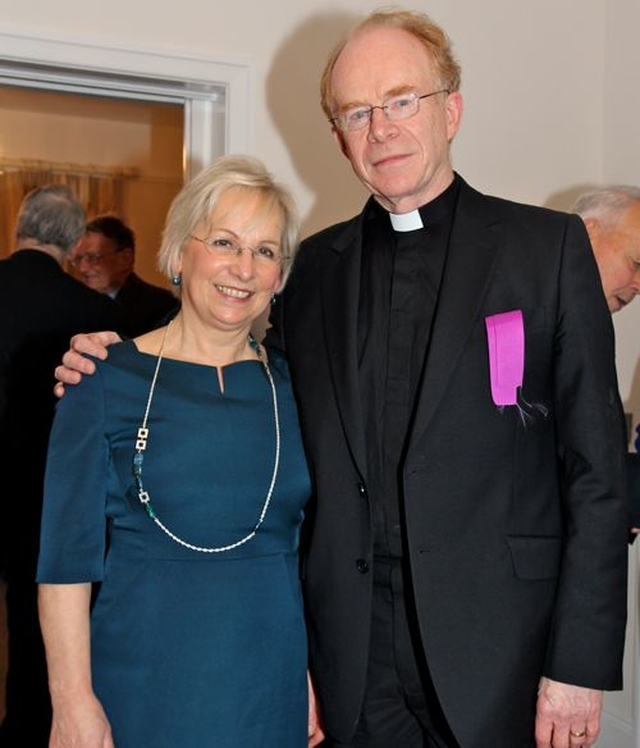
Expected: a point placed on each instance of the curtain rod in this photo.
(80, 170)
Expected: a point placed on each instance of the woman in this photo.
(175, 489)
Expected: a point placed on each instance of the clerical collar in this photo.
(438, 210)
(402, 222)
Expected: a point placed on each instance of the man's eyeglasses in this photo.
(91, 258)
(397, 107)
(224, 247)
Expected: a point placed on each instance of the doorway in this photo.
(147, 119)
(119, 156)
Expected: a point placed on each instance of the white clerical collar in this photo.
(406, 221)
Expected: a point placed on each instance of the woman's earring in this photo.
(273, 300)
(176, 279)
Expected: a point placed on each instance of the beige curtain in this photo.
(100, 190)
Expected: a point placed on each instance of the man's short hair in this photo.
(113, 229)
(51, 215)
(605, 204)
(421, 26)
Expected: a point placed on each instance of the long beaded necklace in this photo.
(141, 446)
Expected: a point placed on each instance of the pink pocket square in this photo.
(505, 337)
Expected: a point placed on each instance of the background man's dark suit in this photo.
(41, 306)
(146, 306)
(514, 574)
(633, 481)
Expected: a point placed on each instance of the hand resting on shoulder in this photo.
(74, 362)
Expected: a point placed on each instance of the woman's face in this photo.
(226, 286)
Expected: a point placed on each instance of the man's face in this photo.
(617, 252)
(403, 163)
(99, 265)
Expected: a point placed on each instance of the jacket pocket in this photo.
(535, 557)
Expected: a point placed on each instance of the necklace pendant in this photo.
(141, 442)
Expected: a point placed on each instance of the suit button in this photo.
(362, 490)
(362, 566)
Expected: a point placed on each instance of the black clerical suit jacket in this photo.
(515, 516)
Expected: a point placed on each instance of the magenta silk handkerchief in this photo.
(505, 336)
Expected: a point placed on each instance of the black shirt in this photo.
(400, 282)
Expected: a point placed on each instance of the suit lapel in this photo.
(464, 285)
(340, 293)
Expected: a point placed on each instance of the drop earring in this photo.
(176, 279)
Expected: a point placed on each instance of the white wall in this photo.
(551, 89)
(533, 79)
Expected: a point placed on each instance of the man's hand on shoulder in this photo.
(74, 364)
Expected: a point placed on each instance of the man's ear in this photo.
(453, 107)
(128, 257)
(339, 138)
(593, 227)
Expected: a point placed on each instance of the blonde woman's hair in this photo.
(198, 198)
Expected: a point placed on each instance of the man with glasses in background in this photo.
(105, 259)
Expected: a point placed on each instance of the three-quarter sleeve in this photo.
(73, 534)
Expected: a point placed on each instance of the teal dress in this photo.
(188, 649)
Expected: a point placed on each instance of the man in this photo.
(105, 261)
(612, 217)
(476, 509)
(452, 356)
(40, 306)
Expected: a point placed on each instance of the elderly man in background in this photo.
(105, 261)
(612, 217)
(40, 306)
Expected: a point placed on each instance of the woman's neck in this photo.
(202, 345)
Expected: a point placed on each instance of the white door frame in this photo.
(215, 94)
